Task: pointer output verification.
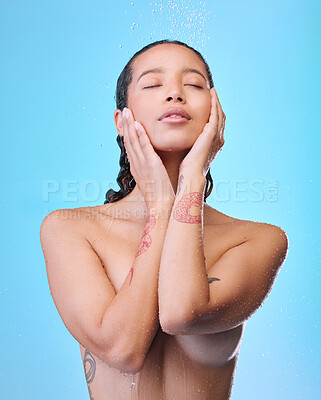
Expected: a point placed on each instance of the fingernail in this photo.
(137, 127)
(125, 113)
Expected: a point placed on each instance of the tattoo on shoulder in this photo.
(89, 366)
(210, 280)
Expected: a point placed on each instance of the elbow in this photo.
(170, 329)
(175, 325)
(130, 360)
(178, 323)
(114, 350)
(123, 359)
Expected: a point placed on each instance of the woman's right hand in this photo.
(146, 166)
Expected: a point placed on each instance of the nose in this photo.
(175, 98)
(174, 94)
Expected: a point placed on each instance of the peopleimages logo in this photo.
(91, 190)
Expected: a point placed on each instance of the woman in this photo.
(155, 285)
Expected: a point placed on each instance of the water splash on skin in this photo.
(132, 386)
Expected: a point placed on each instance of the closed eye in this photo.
(197, 86)
(151, 86)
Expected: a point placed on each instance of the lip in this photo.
(166, 116)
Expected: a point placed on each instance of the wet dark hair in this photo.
(125, 179)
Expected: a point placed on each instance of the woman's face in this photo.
(170, 96)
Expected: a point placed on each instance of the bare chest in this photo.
(168, 374)
(176, 367)
(117, 241)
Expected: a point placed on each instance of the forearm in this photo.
(183, 284)
(132, 317)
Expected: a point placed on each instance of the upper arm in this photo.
(246, 275)
(78, 283)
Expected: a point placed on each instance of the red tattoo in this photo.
(181, 211)
(146, 240)
(132, 274)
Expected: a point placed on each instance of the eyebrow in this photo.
(151, 71)
(161, 70)
(195, 71)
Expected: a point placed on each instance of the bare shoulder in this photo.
(84, 220)
(73, 214)
(245, 230)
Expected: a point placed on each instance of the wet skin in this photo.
(165, 298)
(178, 366)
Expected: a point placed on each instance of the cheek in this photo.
(145, 113)
(204, 111)
(140, 109)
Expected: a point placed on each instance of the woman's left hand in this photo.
(209, 143)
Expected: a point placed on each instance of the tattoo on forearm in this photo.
(184, 205)
(210, 280)
(146, 240)
(89, 366)
(180, 181)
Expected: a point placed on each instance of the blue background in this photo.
(59, 65)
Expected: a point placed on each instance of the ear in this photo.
(118, 119)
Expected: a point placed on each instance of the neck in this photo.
(171, 161)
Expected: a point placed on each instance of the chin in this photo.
(172, 141)
(173, 145)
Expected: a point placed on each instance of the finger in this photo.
(223, 128)
(211, 126)
(214, 120)
(133, 136)
(128, 146)
(146, 145)
(220, 115)
(213, 115)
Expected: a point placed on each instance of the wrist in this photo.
(161, 213)
(162, 209)
(188, 184)
(187, 176)
(191, 171)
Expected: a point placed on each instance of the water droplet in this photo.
(120, 46)
(132, 4)
(132, 385)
